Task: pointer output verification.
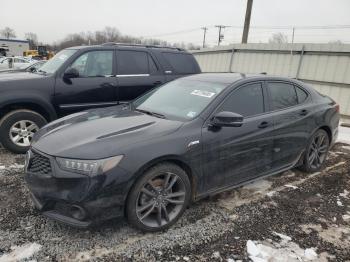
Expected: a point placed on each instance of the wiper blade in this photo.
(151, 113)
(41, 71)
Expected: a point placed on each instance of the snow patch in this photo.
(25, 251)
(291, 186)
(16, 166)
(285, 250)
(310, 254)
(283, 237)
(344, 194)
(339, 203)
(271, 193)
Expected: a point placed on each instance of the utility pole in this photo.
(221, 37)
(205, 32)
(247, 21)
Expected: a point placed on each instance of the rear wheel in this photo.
(316, 152)
(17, 129)
(159, 198)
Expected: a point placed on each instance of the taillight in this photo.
(337, 108)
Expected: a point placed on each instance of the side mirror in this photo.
(228, 119)
(71, 73)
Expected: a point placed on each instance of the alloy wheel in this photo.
(160, 200)
(318, 150)
(22, 132)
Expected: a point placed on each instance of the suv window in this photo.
(282, 95)
(132, 62)
(302, 95)
(247, 100)
(181, 63)
(94, 64)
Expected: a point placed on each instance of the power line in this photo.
(173, 33)
(253, 27)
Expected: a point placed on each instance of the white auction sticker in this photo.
(191, 114)
(202, 93)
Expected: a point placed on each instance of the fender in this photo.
(17, 98)
(190, 170)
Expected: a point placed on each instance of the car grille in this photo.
(39, 164)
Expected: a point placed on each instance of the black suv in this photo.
(83, 77)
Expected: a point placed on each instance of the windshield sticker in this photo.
(203, 93)
(191, 114)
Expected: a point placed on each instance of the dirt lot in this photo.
(289, 217)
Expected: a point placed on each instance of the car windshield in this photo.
(182, 99)
(54, 63)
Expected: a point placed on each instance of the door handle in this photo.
(263, 124)
(303, 112)
(157, 82)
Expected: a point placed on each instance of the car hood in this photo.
(14, 76)
(101, 133)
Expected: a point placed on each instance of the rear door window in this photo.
(132, 62)
(181, 63)
(282, 95)
(247, 101)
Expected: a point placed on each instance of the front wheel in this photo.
(17, 129)
(316, 151)
(159, 198)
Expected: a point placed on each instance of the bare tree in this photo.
(111, 34)
(278, 38)
(8, 33)
(33, 40)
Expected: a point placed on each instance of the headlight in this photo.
(89, 167)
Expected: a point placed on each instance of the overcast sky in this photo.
(52, 22)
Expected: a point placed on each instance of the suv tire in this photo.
(19, 125)
(162, 193)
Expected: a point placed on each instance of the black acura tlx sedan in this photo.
(190, 138)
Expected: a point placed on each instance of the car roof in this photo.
(128, 46)
(230, 78)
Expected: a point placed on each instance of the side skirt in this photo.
(226, 188)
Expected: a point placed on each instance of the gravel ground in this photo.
(292, 215)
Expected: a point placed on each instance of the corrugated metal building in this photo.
(325, 66)
(13, 47)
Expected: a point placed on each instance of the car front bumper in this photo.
(76, 199)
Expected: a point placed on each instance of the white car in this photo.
(17, 63)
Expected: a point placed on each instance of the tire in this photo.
(162, 194)
(24, 123)
(318, 147)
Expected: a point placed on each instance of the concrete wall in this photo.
(325, 66)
